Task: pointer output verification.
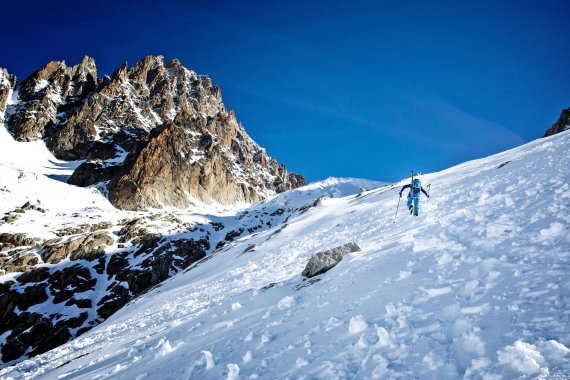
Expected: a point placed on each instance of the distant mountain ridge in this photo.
(151, 135)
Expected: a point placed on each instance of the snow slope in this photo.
(476, 287)
(31, 175)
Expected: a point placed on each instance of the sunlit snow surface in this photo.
(477, 287)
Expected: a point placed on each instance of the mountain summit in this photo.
(151, 135)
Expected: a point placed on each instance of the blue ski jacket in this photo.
(411, 190)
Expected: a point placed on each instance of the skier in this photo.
(414, 195)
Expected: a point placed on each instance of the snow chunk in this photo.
(209, 359)
(286, 303)
(300, 362)
(384, 338)
(553, 232)
(266, 338)
(436, 292)
(247, 357)
(382, 367)
(521, 357)
(473, 343)
(432, 361)
(236, 306)
(478, 368)
(555, 351)
(357, 325)
(165, 348)
(233, 371)
(362, 342)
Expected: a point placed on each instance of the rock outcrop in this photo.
(7, 84)
(561, 125)
(321, 262)
(86, 247)
(152, 135)
(45, 306)
(96, 268)
(47, 97)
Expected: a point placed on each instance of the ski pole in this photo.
(399, 199)
(429, 191)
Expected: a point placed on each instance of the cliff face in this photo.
(562, 124)
(151, 135)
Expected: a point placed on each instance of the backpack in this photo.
(416, 186)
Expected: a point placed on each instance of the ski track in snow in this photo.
(476, 287)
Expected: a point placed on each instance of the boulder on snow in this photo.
(321, 262)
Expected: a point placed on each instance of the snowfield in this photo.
(476, 287)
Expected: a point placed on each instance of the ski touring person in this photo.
(414, 195)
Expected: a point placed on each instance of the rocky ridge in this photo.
(562, 124)
(153, 135)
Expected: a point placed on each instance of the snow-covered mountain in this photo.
(475, 287)
(153, 135)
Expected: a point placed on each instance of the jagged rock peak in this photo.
(7, 84)
(122, 72)
(561, 125)
(174, 62)
(151, 134)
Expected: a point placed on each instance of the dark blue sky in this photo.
(355, 88)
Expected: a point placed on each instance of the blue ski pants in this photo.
(416, 202)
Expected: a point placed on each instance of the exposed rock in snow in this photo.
(321, 262)
(7, 84)
(9, 241)
(561, 125)
(88, 247)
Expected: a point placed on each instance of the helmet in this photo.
(417, 183)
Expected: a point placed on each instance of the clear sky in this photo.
(358, 88)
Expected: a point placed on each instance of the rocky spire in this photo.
(151, 135)
(47, 95)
